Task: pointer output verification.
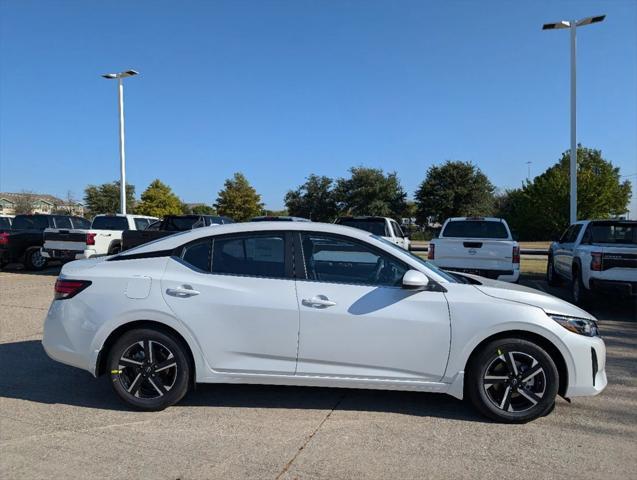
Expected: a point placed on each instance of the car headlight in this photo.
(583, 326)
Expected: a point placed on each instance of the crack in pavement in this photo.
(302, 447)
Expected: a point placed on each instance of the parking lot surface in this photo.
(56, 421)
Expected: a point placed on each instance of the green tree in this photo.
(454, 189)
(158, 200)
(238, 199)
(540, 209)
(104, 198)
(314, 199)
(203, 210)
(369, 191)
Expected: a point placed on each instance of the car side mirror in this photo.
(415, 280)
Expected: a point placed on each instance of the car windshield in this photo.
(374, 226)
(429, 265)
(617, 232)
(475, 229)
(30, 222)
(110, 223)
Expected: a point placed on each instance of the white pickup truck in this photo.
(387, 228)
(103, 238)
(596, 256)
(480, 245)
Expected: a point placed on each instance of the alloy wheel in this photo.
(147, 369)
(37, 260)
(514, 381)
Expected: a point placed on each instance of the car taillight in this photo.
(90, 238)
(4, 238)
(596, 261)
(516, 254)
(69, 288)
(431, 252)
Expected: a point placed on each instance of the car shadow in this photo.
(29, 374)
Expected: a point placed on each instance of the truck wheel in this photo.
(33, 259)
(551, 275)
(581, 294)
(115, 249)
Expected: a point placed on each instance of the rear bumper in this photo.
(67, 255)
(620, 287)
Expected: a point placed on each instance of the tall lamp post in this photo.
(572, 25)
(122, 154)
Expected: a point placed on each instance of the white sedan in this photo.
(320, 305)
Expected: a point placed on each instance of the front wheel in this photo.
(512, 381)
(551, 275)
(149, 369)
(581, 294)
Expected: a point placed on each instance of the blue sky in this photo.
(282, 89)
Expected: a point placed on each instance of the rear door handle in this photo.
(184, 291)
(319, 301)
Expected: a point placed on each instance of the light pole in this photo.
(572, 25)
(122, 154)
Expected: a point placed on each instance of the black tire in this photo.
(114, 249)
(500, 399)
(552, 277)
(149, 381)
(581, 295)
(33, 259)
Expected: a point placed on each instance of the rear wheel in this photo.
(512, 381)
(149, 369)
(33, 259)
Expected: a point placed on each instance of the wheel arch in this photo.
(543, 342)
(102, 356)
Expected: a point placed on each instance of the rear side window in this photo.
(475, 229)
(198, 254)
(376, 226)
(253, 255)
(110, 223)
(141, 223)
(62, 222)
(80, 222)
(397, 230)
(5, 222)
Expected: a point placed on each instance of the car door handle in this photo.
(184, 291)
(320, 301)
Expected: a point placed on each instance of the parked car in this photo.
(279, 218)
(480, 245)
(384, 227)
(22, 243)
(5, 222)
(596, 256)
(102, 237)
(169, 225)
(316, 304)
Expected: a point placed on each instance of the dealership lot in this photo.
(59, 421)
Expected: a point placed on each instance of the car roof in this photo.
(475, 218)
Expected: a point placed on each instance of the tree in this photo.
(540, 209)
(104, 198)
(24, 204)
(314, 199)
(203, 210)
(158, 200)
(369, 191)
(238, 199)
(454, 189)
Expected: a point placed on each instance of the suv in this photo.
(384, 227)
(104, 237)
(22, 243)
(480, 245)
(595, 255)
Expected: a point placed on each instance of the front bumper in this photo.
(588, 373)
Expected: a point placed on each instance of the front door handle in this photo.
(319, 301)
(184, 291)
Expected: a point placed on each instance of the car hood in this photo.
(530, 296)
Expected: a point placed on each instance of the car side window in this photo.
(197, 254)
(335, 259)
(261, 255)
(397, 230)
(564, 237)
(141, 223)
(573, 233)
(62, 222)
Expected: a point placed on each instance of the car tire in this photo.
(497, 385)
(33, 259)
(551, 275)
(581, 295)
(149, 369)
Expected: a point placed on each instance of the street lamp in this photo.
(122, 155)
(572, 25)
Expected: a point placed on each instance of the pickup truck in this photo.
(595, 256)
(479, 245)
(384, 227)
(169, 225)
(22, 243)
(104, 237)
